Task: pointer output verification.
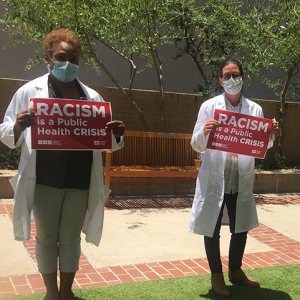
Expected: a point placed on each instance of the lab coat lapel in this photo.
(220, 102)
(41, 86)
(245, 106)
(88, 95)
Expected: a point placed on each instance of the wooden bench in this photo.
(152, 150)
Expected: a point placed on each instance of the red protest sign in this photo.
(71, 124)
(240, 134)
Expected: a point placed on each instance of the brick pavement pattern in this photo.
(286, 251)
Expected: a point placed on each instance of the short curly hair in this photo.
(61, 35)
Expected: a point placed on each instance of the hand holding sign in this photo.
(24, 120)
(210, 126)
(274, 129)
(117, 127)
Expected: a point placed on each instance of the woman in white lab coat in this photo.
(225, 178)
(64, 189)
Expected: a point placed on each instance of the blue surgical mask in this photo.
(65, 71)
(233, 86)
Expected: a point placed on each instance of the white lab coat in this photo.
(24, 182)
(209, 191)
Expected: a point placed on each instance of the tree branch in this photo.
(290, 75)
(199, 45)
(120, 88)
(179, 15)
(199, 68)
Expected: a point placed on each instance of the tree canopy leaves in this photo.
(262, 34)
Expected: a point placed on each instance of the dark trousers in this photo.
(237, 241)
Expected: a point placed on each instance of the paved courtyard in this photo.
(147, 238)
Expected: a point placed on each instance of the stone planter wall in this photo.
(266, 182)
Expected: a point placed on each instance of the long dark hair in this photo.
(229, 61)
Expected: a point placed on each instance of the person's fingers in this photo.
(25, 120)
(114, 125)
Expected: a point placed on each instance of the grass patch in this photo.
(277, 283)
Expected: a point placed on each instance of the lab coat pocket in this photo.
(30, 190)
(246, 183)
(14, 181)
(105, 191)
(206, 185)
(98, 194)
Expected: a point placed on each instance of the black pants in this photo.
(237, 241)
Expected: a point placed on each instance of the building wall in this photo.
(180, 75)
(180, 111)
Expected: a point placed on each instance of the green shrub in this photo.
(273, 161)
(11, 159)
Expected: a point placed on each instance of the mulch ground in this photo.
(138, 202)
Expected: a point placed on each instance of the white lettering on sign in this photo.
(56, 110)
(71, 122)
(58, 131)
(71, 110)
(243, 123)
(229, 138)
(241, 132)
(65, 110)
(252, 142)
(89, 131)
(42, 109)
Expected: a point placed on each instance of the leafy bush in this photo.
(11, 159)
(273, 161)
(209, 91)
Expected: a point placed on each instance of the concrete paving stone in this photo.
(14, 256)
(138, 236)
(150, 235)
(282, 218)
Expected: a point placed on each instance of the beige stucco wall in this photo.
(180, 112)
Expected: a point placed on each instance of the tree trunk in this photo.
(199, 68)
(282, 111)
(120, 88)
(158, 70)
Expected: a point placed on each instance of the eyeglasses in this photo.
(227, 76)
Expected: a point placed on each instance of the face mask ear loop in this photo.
(50, 58)
(48, 66)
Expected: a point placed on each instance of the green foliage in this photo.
(11, 159)
(210, 34)
(126, 27)
(272, 161)
(263, 35)
(275, 42)
(274, 29)
(209, 91)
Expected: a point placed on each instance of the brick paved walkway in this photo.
(286, 251)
